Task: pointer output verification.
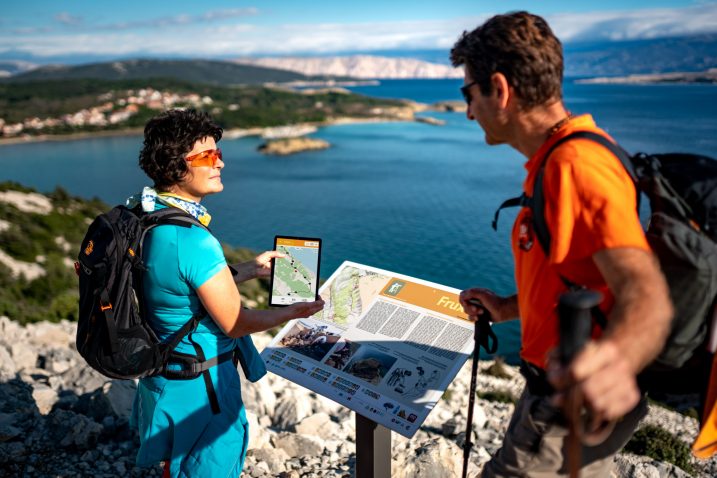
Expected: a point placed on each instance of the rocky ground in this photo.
(59, 418)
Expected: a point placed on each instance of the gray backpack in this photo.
(682, 231)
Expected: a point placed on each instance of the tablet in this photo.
(295, 278)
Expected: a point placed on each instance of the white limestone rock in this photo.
(298, 445)
(291, 410)
(275, 458)
(319, 425)
(23, 355)
(258, 396)
(7, 364)
(259, 436)
(436, 458)
(45, 397)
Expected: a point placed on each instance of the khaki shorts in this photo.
(534, 445)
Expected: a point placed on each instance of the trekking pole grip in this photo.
(574, 324)
(575, 321)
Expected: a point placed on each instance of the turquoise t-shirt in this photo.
(174, 417)
(179, 260)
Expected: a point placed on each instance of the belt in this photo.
(536, 380)
(191, 367)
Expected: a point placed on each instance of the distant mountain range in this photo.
(661, 55)
(615, 58)
(358, 66)
(194, 71)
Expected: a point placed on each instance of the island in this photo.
(286, 146)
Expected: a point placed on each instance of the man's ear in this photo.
(501, 89)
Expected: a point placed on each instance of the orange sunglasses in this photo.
(205, 158)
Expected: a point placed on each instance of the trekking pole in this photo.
(575, 324)
(483, 336)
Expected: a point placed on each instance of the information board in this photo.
(385, 345)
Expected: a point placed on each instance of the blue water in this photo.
(408, 197)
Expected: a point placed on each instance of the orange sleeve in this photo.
(590, 203)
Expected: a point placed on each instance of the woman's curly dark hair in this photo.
(168, 137)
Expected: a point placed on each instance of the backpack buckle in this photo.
(107, 306)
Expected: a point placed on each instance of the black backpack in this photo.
(112, 335)
(682, 232)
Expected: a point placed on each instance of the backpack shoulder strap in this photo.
(614, 148)
(173, 216)
(523, 201)
(538, 201)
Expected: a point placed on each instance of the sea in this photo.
(411, 198)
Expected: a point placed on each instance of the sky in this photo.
(43, 30)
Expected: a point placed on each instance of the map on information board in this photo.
(385, 345)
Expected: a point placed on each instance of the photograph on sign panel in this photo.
(313, 341)
(344, 350)
(370, 365)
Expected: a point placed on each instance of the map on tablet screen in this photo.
(295, 277)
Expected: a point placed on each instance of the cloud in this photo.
(181, 20)
(67, 19)
(639, 24)
(208, 34)
(31, 30)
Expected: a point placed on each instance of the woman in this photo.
(196, 426)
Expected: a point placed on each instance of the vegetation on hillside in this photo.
(232, 107)
(34, 237)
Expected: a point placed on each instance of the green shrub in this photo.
(502, 396)
(13, 186)
(64, 306)
(497, 369)
(658, 443)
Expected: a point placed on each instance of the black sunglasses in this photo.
(465, 91)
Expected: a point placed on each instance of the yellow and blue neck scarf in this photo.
(149, 197)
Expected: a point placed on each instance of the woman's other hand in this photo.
(302, 310)
(262, 262)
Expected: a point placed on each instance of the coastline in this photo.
(71, 137)
(233, 133)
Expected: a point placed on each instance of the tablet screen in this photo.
(295, 278)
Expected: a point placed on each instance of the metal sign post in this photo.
(373, 449)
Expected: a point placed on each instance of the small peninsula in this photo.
(702, 77)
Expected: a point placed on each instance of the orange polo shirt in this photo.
(590, 205)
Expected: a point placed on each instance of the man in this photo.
(513, 78)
